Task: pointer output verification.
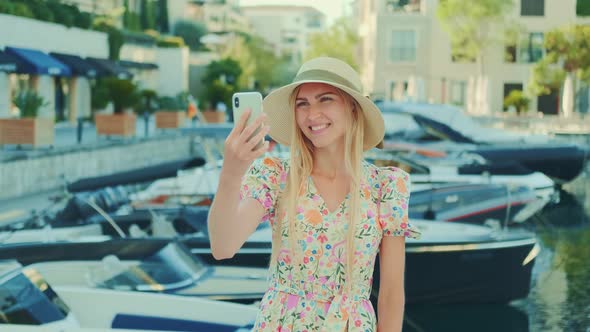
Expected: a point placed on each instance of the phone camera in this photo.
(237, 102)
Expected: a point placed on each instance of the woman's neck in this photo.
(329, 162)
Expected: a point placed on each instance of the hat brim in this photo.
(276, 106)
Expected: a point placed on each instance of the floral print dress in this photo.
(306, 294)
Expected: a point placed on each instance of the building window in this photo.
(403, 6)
(532, 7)
(289, 40)
(533, 48)
(529, 49)
(314, 21)
(549, 103)
(403, 46)
(458, 92)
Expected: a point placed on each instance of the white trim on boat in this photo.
(472, 246)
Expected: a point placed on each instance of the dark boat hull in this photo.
(144, 174)
(562, 163)
(485, 272)
(495, 275)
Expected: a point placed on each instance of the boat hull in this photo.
(471, 272)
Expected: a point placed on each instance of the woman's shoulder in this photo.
(270, 165)
(385, 173)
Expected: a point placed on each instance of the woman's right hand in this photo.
(239, 152)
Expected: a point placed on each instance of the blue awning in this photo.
(10, 63)
(110, 68)
(137, 65)
(39, 63)
(78, 66)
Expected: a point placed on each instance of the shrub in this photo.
(29, 103)
(517, 99)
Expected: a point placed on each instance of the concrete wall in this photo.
(34, 175)
(82, 98)
(46, 89)
(173, 70)
(29, 33)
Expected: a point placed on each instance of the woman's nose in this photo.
(314, 112)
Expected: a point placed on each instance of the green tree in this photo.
(148, 14)
(517, 99)
(163, 23)
(220, 79)
(567, 57)
(131, 20)
(83, 20)
(583, 7)
(115, 36)
(270, 70)
(191, 32)
(41, 10)
(21, 9)
(475, 26)
(261, 68)
(63, 14)
(338, 41)
(240, 51)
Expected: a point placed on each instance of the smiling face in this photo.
(322, 112)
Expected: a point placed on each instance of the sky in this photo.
(331, 8)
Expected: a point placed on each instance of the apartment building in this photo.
(405, 51)
(286, 28)
(218, 15)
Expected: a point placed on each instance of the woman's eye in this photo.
(324, 99)
(301, 104)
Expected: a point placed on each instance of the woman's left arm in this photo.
(391, 300)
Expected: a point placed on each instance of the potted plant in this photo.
(124, 97)
(221, 81)
(171, 111)
(216, 94)
(28, 129)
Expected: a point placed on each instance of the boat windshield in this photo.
(26, 298)
(171, 268)
(391, 158)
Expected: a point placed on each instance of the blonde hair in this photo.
(301, 165)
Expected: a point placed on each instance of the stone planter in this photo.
(30, 131)
(123, 124)
(169, 119)
(213, 116)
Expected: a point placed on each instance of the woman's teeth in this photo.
(319, 127)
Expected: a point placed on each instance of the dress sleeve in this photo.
(395, 197)
(263, 182)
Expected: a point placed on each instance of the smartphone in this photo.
(242, 101)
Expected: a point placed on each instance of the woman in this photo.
(320, 272)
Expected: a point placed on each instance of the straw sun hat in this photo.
(329, 71)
